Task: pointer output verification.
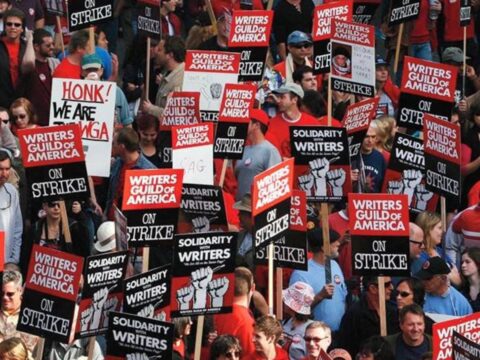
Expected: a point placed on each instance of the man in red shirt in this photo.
(240, 321)
(70, 67)
(265, 336)
(171, 24)
(288, 99)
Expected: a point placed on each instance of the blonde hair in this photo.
(427, 221)
(13, 349)
(387, 123)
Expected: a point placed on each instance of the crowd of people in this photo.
(341, 318)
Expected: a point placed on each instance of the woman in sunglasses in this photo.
(23, 115)
(225, 347)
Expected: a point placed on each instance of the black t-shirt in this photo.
(406, 352)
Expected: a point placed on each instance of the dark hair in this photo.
(417, 288)
(147, 121)
(180, 324)
(129, 138)
(176, 46)
(263, 127)
(378, 347)
(474, 254)
(315, 103)
(4, 155)
(39, 35)
(410, 309)
(222, 344)
(79, 40)
(14, 12)
(243, 281)
(297, 75)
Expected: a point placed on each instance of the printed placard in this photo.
(237, 102)
(468, 326)
(352, 63)
(54, 162)
(403, 11)
(102, 292)
(465, 349)
(379, 226)
(182, 108)
(135, 337)
(204, 207)
(406, 174)
(323, 153)
(291, 250)
(148, 17)
(442, 157)
(321, 32)
(152, 189)
(207, 72)
(230, 140)
(203, 273)
(148, 294)
(85, 13)
(192, 151)
(465, 12)
(55, 7)
(250, 37)
(356, 120)
(364, 10)
(91, 104)
(51, 290)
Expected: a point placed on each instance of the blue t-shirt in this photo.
(451, 303)
(103, 55)
(375, 166)
(331, 310)
(407, 352)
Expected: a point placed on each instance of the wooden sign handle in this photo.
(382, 306)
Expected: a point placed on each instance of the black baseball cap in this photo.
(433, 266)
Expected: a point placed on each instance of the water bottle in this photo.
(433, 14)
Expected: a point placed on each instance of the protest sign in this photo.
(356, 120)
(50, 294)
(403, 10)
(151, 199)
(139, 338)
(442, 157)
(192, 151)
(427, 87)
(91, 104)
(182, 108)
(121, 238)
(271, 192)
(233, 118)
(464, 349)
(406, 174)
(364, 10)
(55, 7)
(207, 72)
(148, 294)
(102, 292)
(250, 36)
(291, 250)
(54, 162)
(203, 273)
(353, 58)
(465, 12)
(321, 32)
(323, 153)
(204, 207)
(85, 13)
(379, 226)
(148, 17)
(467, 326)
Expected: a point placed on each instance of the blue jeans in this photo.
(422, 51)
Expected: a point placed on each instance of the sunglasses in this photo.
(404, 294)
(21, 116)
(387, 284)
(314, 339)
(52, 204)
(232, 354)
(13, 24)
(9, 294)
(299, 46)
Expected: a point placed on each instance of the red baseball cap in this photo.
(260, 116)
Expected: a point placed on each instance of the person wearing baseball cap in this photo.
(388, 92)
(441, 297)
(258, 155)
(330, 299)
(297, 299)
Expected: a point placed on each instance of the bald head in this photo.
(416, 240)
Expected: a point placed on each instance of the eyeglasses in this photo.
(21, 116)
(6, 121)
(314, 339)
(232, 354)
(299, 46)
(404, 294)
(419, 243)
(13, 24)
(386, 284)
(9, 294)
(52, 204)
